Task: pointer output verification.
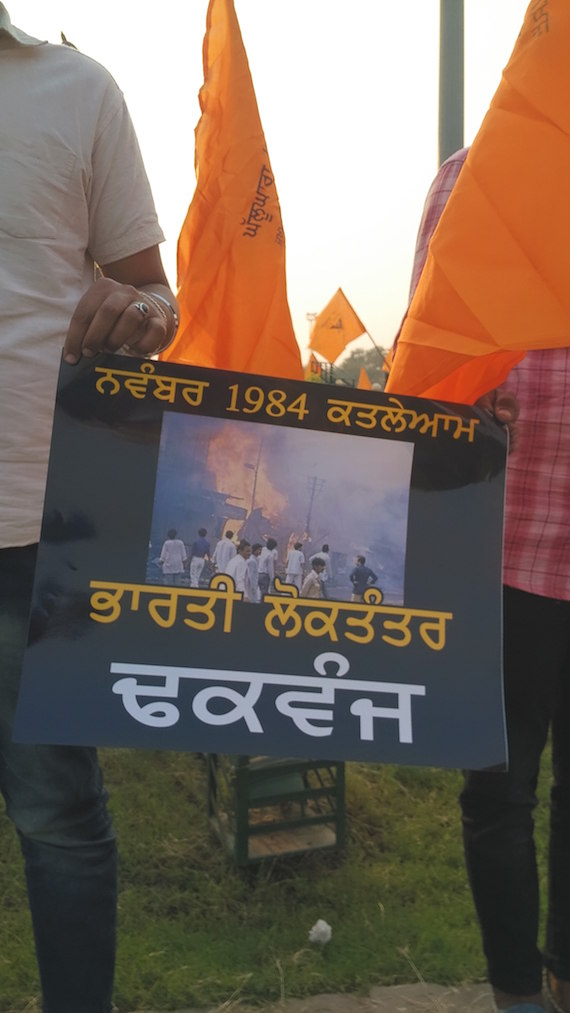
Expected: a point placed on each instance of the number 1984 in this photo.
(273, 402)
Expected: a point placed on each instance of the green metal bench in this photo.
(262, 807)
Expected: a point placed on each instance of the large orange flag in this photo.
(495, 282)
(231, 251)
(335, 327)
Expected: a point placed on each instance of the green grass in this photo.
(194, 930)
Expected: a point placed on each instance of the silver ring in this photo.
(142, 306)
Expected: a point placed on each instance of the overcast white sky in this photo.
(348, 96)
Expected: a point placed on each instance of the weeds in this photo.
(196, 931)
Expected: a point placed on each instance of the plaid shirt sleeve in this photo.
(435, 202)
(537, 516)
(437, 197)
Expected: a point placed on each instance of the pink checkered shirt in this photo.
(537, 511)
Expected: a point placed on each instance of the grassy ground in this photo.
(195, 930)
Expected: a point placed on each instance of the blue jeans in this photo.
(497, 807)
(55, 797)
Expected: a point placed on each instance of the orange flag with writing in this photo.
(232, 293)
(335, 327)
(495, 282)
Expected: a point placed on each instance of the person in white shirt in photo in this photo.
(324, 554)
(237, 566)
(267, 561)
(173, 559)
(313, 582)
(252, 578)
(224, 551)
(295, 565)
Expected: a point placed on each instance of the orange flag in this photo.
(231, 250)
(313, 369)
(495, 282)
(334, 327)
(364, 381)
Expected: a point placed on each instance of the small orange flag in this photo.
(495, 282)
(234, 312)
(335, 327)
(313, 369)
(388, 360)
(364, 381)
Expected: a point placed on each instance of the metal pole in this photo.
(255, 474)
(451, 77)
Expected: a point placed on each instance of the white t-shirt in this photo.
(295, 561)
(267, 558)
(73, 191)
(173, 556)
(224, 551)
(251, 585)
(237, 568)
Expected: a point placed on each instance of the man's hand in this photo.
(504, 408)
(110, 316)
(119, 311)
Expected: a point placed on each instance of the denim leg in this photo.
(56, 799)
(497, 807)
(557, 949)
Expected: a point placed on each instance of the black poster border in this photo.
(98, 516)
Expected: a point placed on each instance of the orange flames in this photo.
(237, 461)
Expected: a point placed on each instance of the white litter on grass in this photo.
(321, 932)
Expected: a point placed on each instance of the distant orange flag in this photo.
(231, 250)
(388, 359)
(364, 381)
(335, 327)
(495, 282)
(313, 369)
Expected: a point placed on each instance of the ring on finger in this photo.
(142, 307)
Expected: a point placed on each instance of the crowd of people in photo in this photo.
(254, 567)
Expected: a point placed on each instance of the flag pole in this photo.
(451, 77)
(381, 353)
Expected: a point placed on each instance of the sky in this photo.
(348, 96)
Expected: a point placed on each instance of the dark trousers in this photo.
(56, 799)
(497, 807)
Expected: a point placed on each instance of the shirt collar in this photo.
(16, 34)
